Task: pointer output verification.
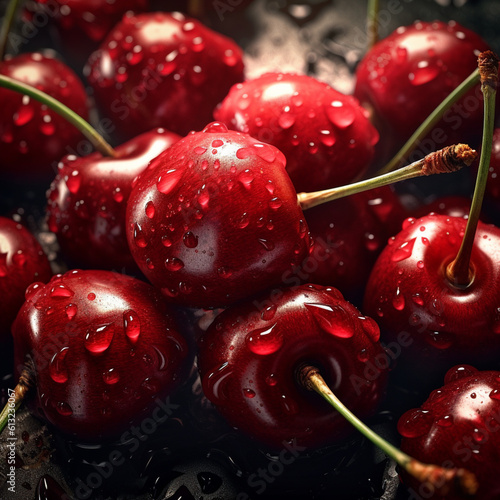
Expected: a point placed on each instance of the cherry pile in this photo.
(167, 293)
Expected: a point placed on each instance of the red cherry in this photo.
(493, 185)
(408, 291)
(325, 135)
(452, 206)
(458, 427)
(162, 70)
(33, 138)
(405, 76)
(249, 357)
(215, 218)
(22, 261)
(88, 198)
(104, 347)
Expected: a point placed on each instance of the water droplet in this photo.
(286, 120)
(91, 296)
(190, 240)
(118, 195)
(150, 209)
(271, 380)
(61, 291)
(174, 264)
(441, 340)
(289, 405)
(264, 341)
(244, 221)
(71, 310)
(269, 312)
(246, 178)
(224, 272)
(24, 114)
(423, 73)
(74, 181)
(398, 301)
(139, 238)
(168, 180)
(420, 264)
(370, 327)
(401, 54)
(417, 299)
(98, 340)
(132, 325)
(267, 244)
(216, 381)
(445, 421)
(327, 138)
(166, 242)
(415, 423)
(495, 394)
(249, 393)
(404, 251)
(332, 319)
(57, 368)
(340, 115)
(229, 58)
(64, 409)
(203, 199)
(199, 150)
(217, 143)
(111, 376)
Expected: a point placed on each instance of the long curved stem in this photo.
(8, 19)
(372, 22)
(85, 128)
(428, 124)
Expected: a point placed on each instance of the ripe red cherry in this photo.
(405, 76)
(215, 218)
(325, 136)
(458, 427)
(104, 347)
(33, 138)
(493, 185)
(408, 291)
(162, 70)
(22, 261)
(88, 198)
(249, 357)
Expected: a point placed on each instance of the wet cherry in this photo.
(103, 347)
(162, 70)
(249, 356)
(325, 136)
(88, 198)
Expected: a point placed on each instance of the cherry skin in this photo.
(88, 198)
(325, 136)
(458, 427)
(409, 292)
(406, 75)
(104, 348)
(22, 261)
(452, 206)
(215, 218)
(249, 355)
(162, 70)
(344, 251)
(493, 184)
(33, 138)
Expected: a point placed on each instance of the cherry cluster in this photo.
(197, 283)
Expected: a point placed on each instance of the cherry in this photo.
(406, 75)
(325, 136)
(215, 219)
(162, 70)
(22, 261)
(493, 185)
(103, 348)
(452, 206)
(458, 427)
(34, 138)
(249, 355)
(87, 201)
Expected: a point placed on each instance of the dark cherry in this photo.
(408, 291)
(162, 70)
(104, 349)
(87, 201)
(325, 135)
(493, 185)
(458, 427)
(406, 75)
(249, 357)
(33, 138)
(22, 261)
(215, 218)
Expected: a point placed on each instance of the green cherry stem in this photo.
(8, 19)
(449, 159)
(85, 128)
(429, 123)
(444, 481)
(459, 272)
(372, 22)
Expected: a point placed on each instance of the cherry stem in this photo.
(85, 128)
(195, 8)
(8, 19)
(26, 382)
(428, 124)
(442, 480)
(449, 159)
(372, 22)
(459, 271)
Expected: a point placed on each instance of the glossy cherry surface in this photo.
(406, 75)
(105, 347)
(458, 427)
(408, 291)
(32, 137)
(22, 261)
(325, 135)
(249, 356)
(162, 70)
(88, 198)
(215, 218)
